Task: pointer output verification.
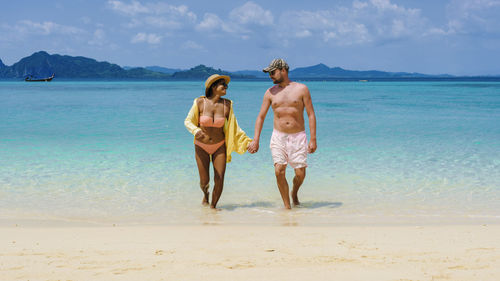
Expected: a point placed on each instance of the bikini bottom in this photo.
(209, 148)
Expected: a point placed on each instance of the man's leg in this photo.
(300, 175)
(280, 171)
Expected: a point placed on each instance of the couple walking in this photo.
(216, 132)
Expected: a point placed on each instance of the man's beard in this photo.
(277, 81)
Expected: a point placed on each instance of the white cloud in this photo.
(384, 5)
(175, 11)
(303, 33)
(212, 22)
(99, 38)
(149, 38)
(157, 15)
(45, 28)
(134, 23)
(47, 31)
(129, 9)
(191, 45)
(473, 16)
(243, 22)
(162, 22)
(363, 22)
(359, 5)
(251, 13)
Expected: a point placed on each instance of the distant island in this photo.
(41, 64)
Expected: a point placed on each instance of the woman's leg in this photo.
(203, 162)
(219, 162)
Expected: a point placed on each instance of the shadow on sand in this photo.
(232, 207)
(319, 204)
(303, 205)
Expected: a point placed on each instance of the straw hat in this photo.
(210, 80)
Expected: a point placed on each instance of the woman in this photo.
(216, 134)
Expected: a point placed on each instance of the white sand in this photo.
(251, 253)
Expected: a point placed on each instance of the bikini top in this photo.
(208, 121)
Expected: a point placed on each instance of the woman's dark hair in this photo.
(208, 92)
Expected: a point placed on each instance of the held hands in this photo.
(312, 146)
(253, 146)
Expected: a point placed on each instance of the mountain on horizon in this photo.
(156, 68)
(255, 73)
(161, 69)
(323, 71)
(41, 64)
(203, 72)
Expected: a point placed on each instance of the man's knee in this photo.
(279, 170)
(300, 173)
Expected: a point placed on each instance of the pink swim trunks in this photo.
(289, 149)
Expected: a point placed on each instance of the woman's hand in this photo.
(253, 147)
(201, 136)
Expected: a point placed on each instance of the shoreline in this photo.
(54, 224)
(209, 252)
(279, 217)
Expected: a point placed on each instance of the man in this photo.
(288, 141)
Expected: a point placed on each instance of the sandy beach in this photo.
(225, 252)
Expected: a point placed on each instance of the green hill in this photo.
(203, 72)
(42, 64)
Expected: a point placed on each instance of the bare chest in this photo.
(286, 99)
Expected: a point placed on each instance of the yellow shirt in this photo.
(235, 138)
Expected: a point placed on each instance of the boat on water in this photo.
(31, 79)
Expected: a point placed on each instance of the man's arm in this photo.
(259, 122)
(312, 120)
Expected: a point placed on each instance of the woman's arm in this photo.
(191, 121)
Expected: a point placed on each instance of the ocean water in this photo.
(118, 153)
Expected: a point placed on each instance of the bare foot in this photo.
(214, 208)
(206, 194)
(205, 199)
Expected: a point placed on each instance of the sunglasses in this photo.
(272, 72)
(223, 83)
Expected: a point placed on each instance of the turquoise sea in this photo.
(118, 153)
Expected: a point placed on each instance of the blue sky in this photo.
(460, 37)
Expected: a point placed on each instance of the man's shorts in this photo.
(289, 149)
